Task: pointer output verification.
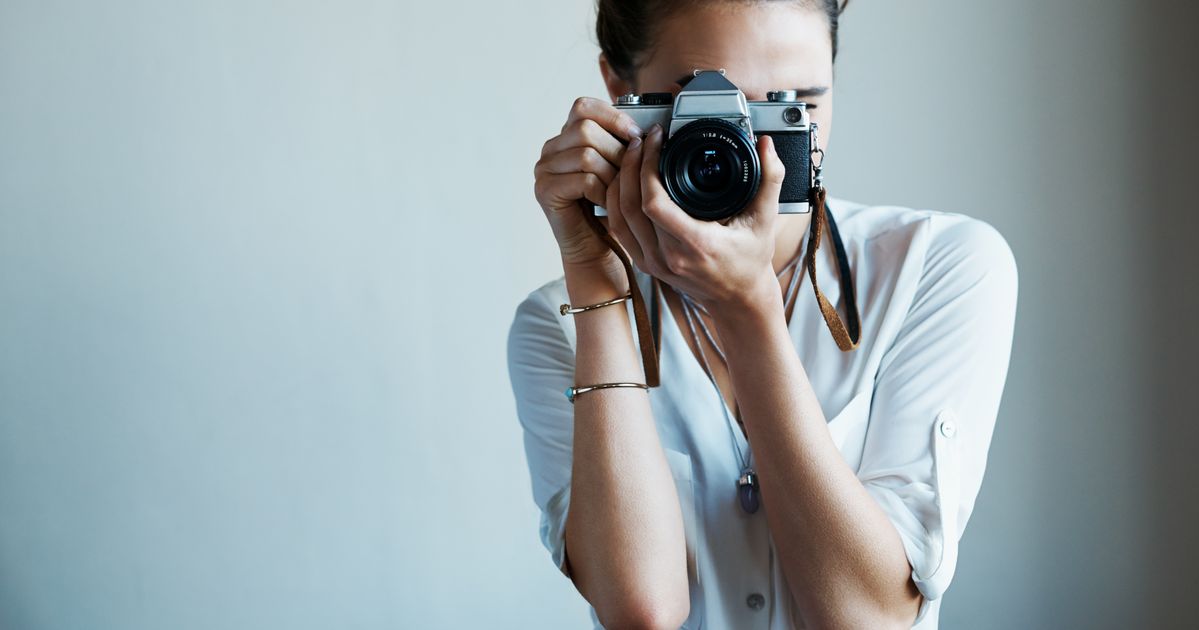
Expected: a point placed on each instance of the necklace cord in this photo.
(687, 310)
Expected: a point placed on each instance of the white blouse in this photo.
(912, 409)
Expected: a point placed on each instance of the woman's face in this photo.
(762, 47)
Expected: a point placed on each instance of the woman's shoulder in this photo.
(541, 302)
(866, 222)
(926, 236)
(537, 315)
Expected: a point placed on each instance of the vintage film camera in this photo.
(709, 162)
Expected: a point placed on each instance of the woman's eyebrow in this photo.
(812, 91)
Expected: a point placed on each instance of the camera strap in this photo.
(847, 334)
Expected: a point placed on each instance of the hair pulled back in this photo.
(626, 28)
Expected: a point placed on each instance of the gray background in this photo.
(258, 261)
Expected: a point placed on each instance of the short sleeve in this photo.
(937, 393)
(541, 366)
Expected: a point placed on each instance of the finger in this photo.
(763, 210)
(618, 227)
(615, 121)
(630, 207)
(656, 203)
(565, 190)
(675, 255)
(586, 133)
(577, 160)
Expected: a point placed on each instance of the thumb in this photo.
(764, 208)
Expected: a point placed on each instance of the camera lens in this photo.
(710, 168)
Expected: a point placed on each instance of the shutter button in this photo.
(755, 601)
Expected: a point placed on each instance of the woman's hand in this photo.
(720, 264)
(580, 163)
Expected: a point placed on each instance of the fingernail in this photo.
(635, 142)
(656, 129)
(634, 131)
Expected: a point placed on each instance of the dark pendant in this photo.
(747, 492)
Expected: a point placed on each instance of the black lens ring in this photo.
(672, 166)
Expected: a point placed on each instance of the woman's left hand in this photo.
(720, 264)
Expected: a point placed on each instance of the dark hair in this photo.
(625, 28)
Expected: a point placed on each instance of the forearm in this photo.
(624, 530)
(842, 556)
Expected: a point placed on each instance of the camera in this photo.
(709, 162)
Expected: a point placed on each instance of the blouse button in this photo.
(755, 601)
(948, 427)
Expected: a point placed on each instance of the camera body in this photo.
(709, 163)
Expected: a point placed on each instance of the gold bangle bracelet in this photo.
(573, 392)
(567, 309)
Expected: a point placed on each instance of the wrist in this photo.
(760, 301)
(596, 281)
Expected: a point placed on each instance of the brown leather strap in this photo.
(649, 351)
(846, 339)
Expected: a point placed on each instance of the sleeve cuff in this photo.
(926, 516)
(553, 527)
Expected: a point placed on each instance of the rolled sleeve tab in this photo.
(934, 576)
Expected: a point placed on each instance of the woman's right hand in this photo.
(579, 163)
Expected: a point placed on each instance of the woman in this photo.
(865, 456)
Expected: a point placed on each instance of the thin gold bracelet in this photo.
(573, 392)
(567, 309)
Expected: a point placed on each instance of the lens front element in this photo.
(710, 168)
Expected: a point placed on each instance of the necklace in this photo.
(748, 490)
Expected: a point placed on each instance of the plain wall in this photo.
(258, 261)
